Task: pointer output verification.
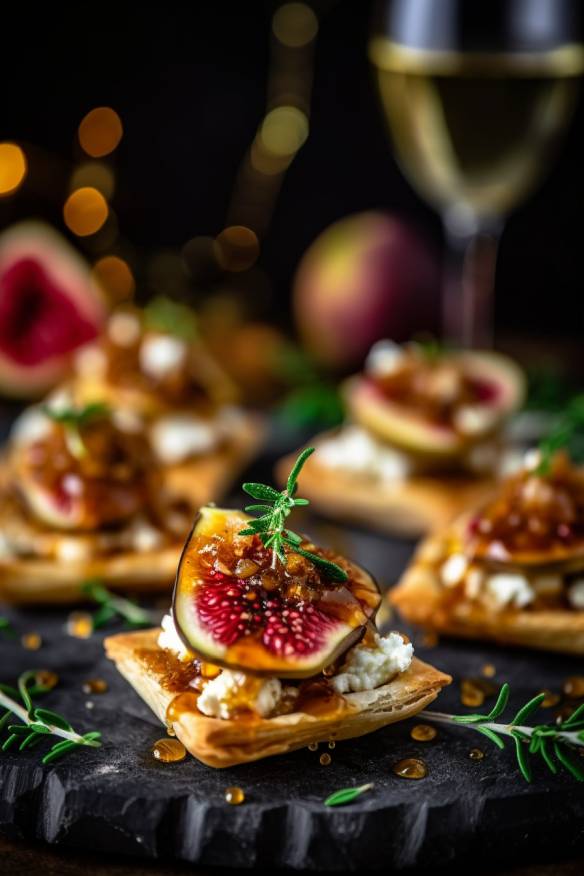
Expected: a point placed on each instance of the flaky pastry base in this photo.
(412, 507)
(423, 600)
(220, 743)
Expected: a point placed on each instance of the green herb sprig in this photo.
(162, 314)
(6, 626)
(111, 606)
(35, 723)
(346, 795)
(271, 528)
(562, 434)
(555, 743)
(73, 419)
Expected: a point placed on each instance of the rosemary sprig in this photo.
(162, 314)
(35, 723)
(73, 419)
(563, 432)
(111, 605)
(5, 625)
(555, 743)
(346, 795)
(270, 526)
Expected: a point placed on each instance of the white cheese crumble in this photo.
(474, 419)
(178, 437)
(32, 425)
(576, 594)
(73, 550)
(509, 588)
(160, 355)
(385, 357)
(367, 668)
(169, 639)
(145, 537)
(453, 570)
(353, 449)
(215, 698)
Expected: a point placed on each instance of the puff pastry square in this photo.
(225, 743)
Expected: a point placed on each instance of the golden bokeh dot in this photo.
(284, 130)
(85, 211)
(238, 248)
(95, 174)
(115, 277)
(100, 131)
(13, 167)
(295, 25)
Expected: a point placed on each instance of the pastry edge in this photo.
(221, 743)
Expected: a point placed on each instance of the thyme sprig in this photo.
(35, 723)
(111, 605)
(271, 528)
(555, 743)
(73, 419)
(566, 428)
(163, 314)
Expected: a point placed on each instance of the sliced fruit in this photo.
(49, 306)
(236, 622)
(501, 388)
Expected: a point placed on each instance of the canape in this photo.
(512, 571)
(81, 498)
(422, 440)
(271, 643)
(153, 370)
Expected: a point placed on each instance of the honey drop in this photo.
(423, 733)
(325, 759)
(489, 670)
(46, 679)
(471, 694)
(410, 768)
(94, 686)
(476, 754)
(209, 670)
(312, 746)
(169, 750)
(234, 795)
(332, 744)
(574, 687)
(79, 624)
(31, 641)
(550, 699)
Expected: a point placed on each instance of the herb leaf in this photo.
(560, 436)
(110, 605)
(346, 795)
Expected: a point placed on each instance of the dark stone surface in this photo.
(119, 800)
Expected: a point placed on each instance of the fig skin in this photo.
(248, 653)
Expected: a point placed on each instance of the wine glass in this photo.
(477, 94)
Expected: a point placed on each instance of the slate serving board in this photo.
(118, 799)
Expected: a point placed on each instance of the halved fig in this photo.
(50, 305)
(495, 381)
(256, 623)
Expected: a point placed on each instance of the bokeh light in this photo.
(100, 131)
(95, 174)
(13, 167)
(237, 248)
(85, 211)
(115, 277)
(295, 25)
(284, 130)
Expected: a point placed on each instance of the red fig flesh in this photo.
(238, 623)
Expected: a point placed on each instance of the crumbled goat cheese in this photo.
(215, 698)
(576, 594)
(160, 355)
(73, 550)
(176, 438)
(384, 357)
(124, 329)
(474, 419)
(453, 570)
(145, 537)
(367, 668)
(508, 588)
(169, 639)
(32, 425)
(353, 449)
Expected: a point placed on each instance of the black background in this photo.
(189, 83)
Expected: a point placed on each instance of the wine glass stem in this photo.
(468, 301)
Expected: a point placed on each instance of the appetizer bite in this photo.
(512, 571)
(422, 441)
(271, 642)
(81, 498)
(153, 370)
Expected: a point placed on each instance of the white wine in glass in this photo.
(477, 94)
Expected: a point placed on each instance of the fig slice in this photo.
(237, 623)
(503, 387)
